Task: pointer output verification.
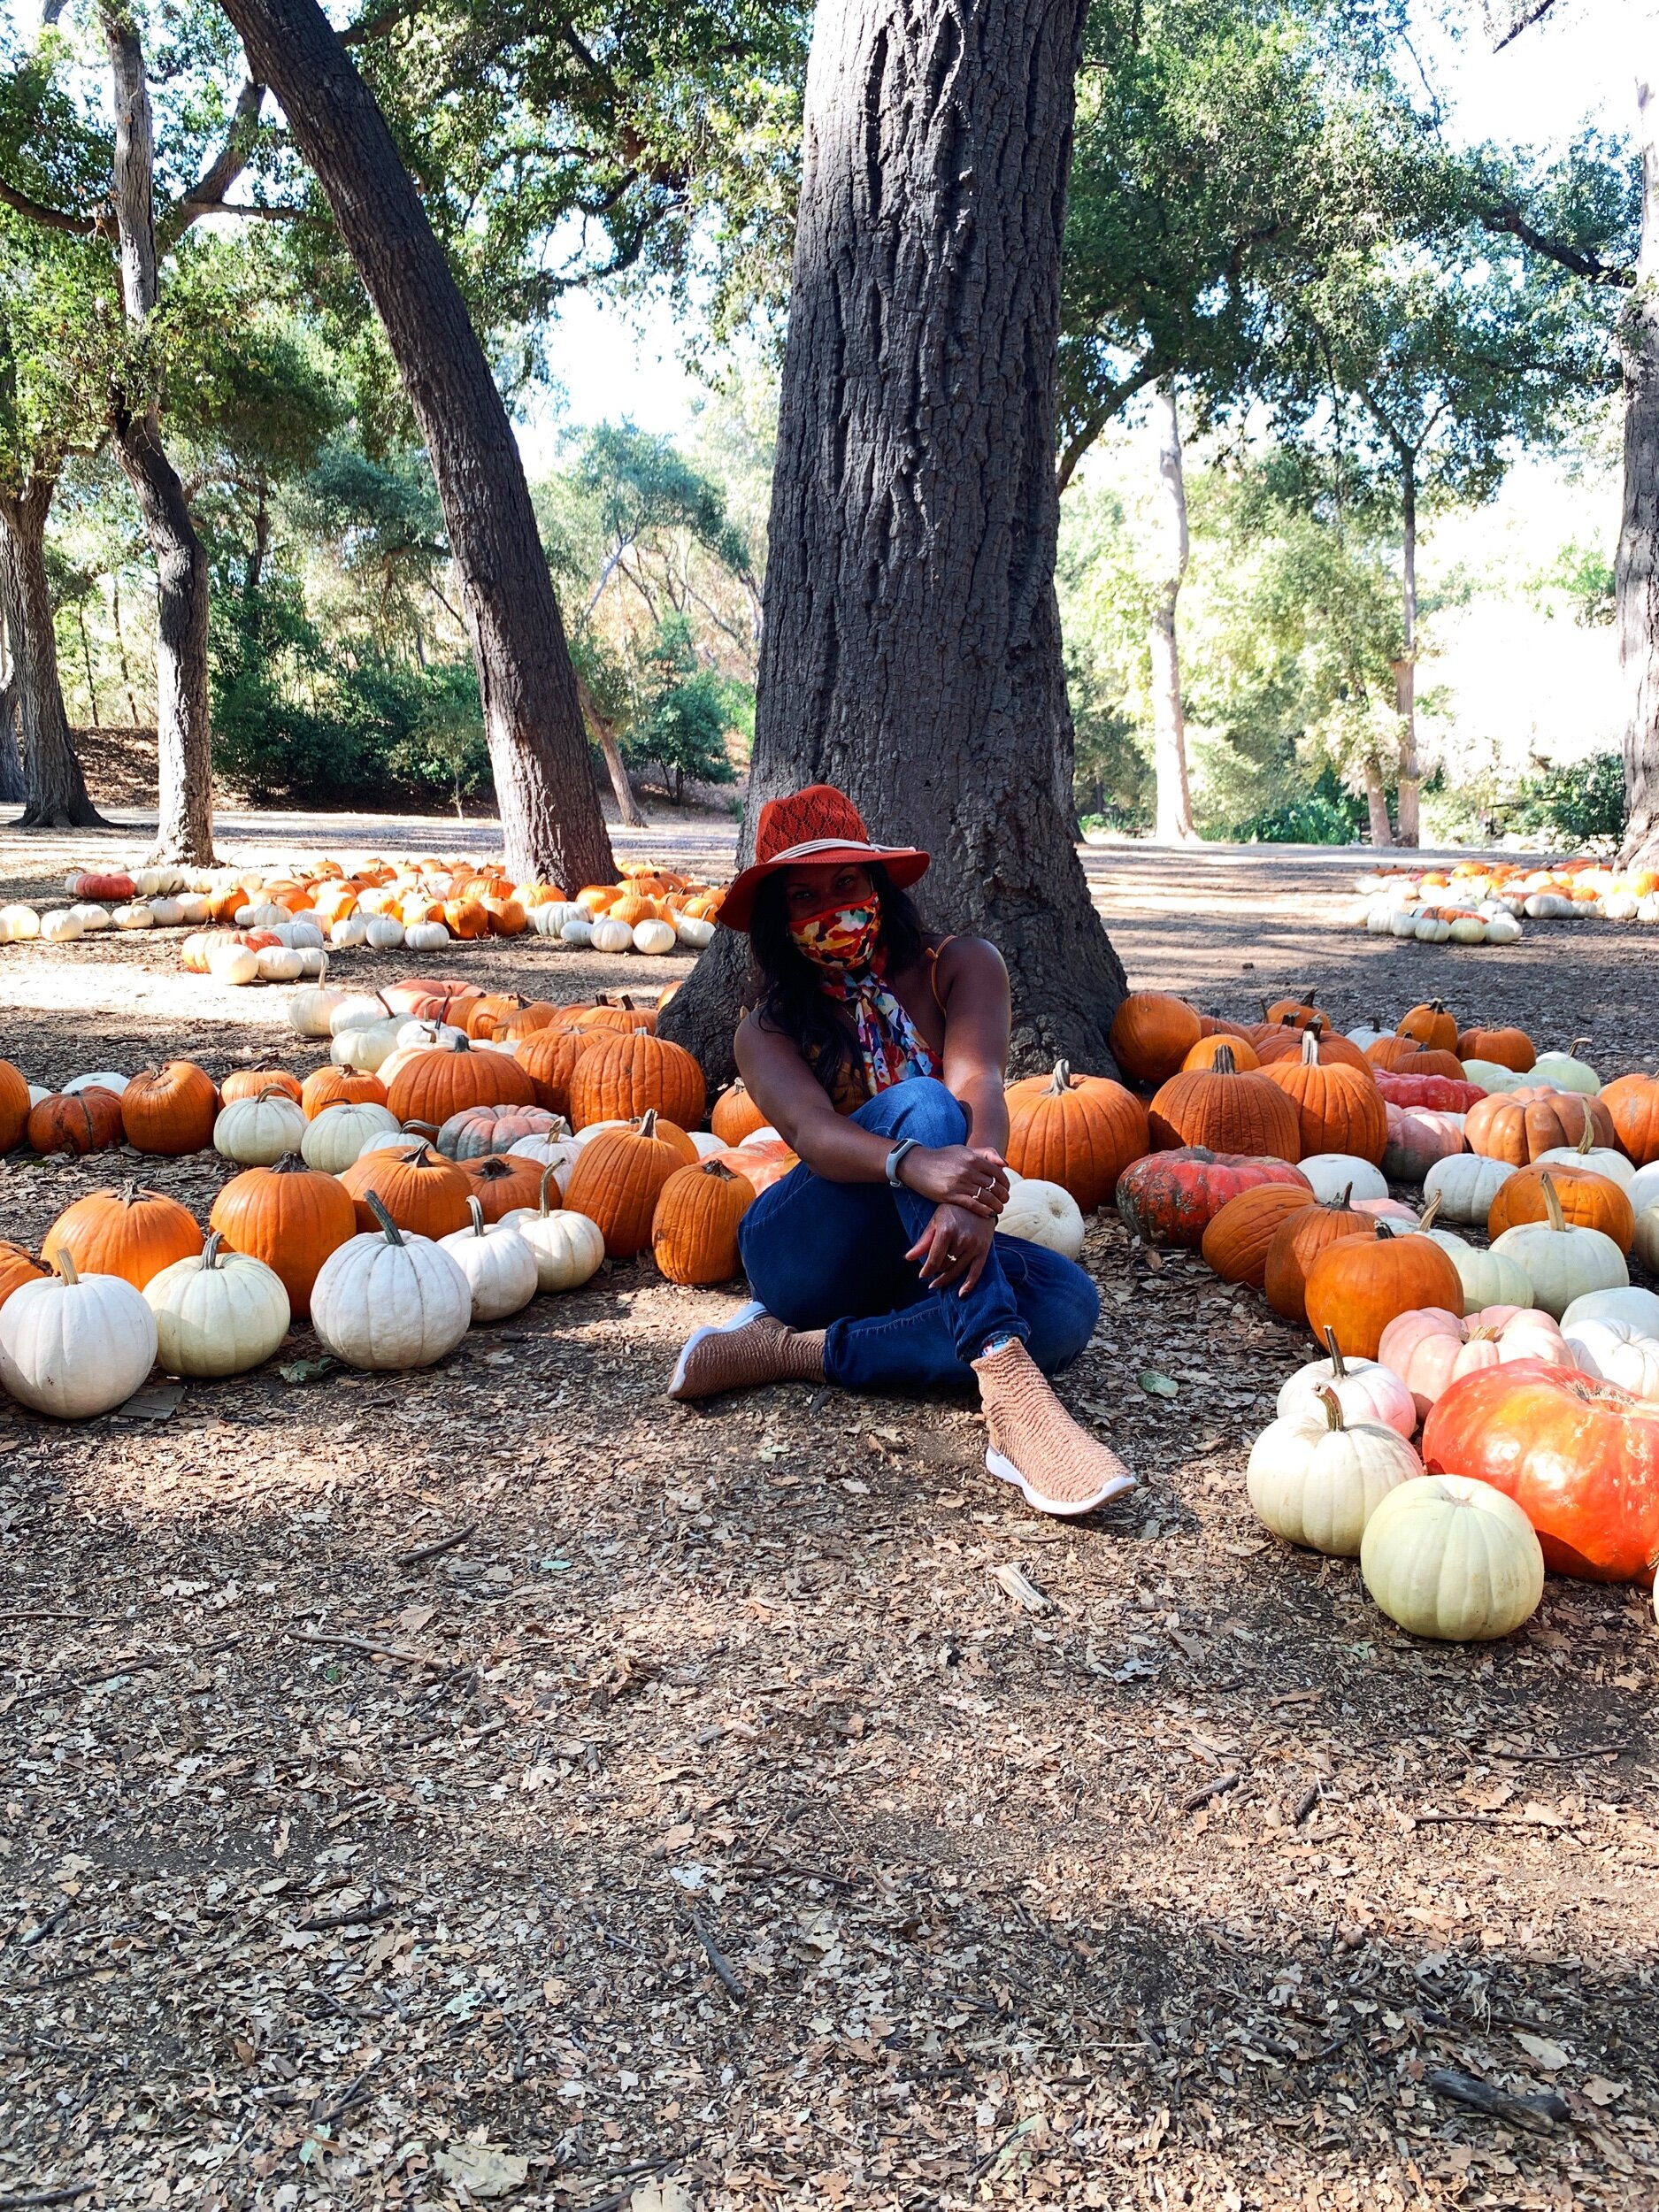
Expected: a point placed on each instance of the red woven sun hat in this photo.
(818, 827)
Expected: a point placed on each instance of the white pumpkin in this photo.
(1596, 1159)
(1488, 1278)
(426, 936)
(1643, 1188)
(1465, 1184)
(257, 1131)
(384, 932)
(1490, 1077)
(305, 935)
(340, 1135)
(310, 1013)
(388, 1300)
(94, 917)
(359, 1010)
(1316, 1481)
(350, 929)
(1365, 1390)
(100, 1079)
(38, 1095)
(1469, 929)
(364, 1050)
(695, 930)
(218, 1312)
(1639, 1308)
(611, 937)
(498, 1263)
(138, 916)
(1452, 1558)
(233, 964)
(1562, 1262)
(166, 913)
(414, 1033)
(550, 917)
(280, 964)
(1332, 1174)
(654, 937)
(578, 930)
(707, 1143)
(21, 921)
(61, 924)
(1616, 1352)
(1042, 1213)
(75, 1345)
(193, 907)
(558, 1153)
(1563, 1073)
(568, 1247)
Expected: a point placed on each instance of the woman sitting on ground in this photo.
(879, 1051)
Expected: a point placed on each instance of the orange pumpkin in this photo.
(1404, 1055)
(1152, 1033)
(1203, 1053)
(631, 1074)
(422, 1191)
(617, 1180)
(442, 1079)
(130, 1233)
(548, 1058)
(1078, 1131)
(619, 1013)
(1297, 1243)
(1587, 1200)
(251, 1082)
(291, 1217)
(1172, 1197)
(466, 919)
(1285, 1041)
(500, 1183)
(17, 1267)
(1517, 1126)
(14, 1111)
(694, 1230)
(735, 1114)
(1360, 1284)
(1224, 1111)
(340, 1086)
(170, 1110)
(1432, 1026)
(76, 1121)
(1295, 1012)
(761, 1164)
(1503, 1048)
(1236, 1242)
(1633, 1106)
(1339, 1108)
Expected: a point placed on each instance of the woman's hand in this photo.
(953, 1247)
(961, 1175)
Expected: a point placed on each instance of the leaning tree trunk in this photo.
(1406, 666)
(54, 789)
(605, 737)
(11, 687)
(910, 649)
(1382, 832)
(1174, 816)
(550, 810)
(1636, 569)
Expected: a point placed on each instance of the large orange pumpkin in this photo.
(1297, 1243)
(1078, 1131)
(340, 1086)
(1236, 1242)
(422, 1191)
(1633, 1106)
(1203, 1053)
(1286, 1041)
(617, 1180)
(444, 1078)
(500, 1183)
(1339, 1108)
(76, 1121)
(291, 1217)
(1172, 1197)
(631, 1074)
(170, 1110)
(1152, 1033)
(252, 1082)
(130, 1233)
(14, 1109)
(1360, 1284)
(1503, 1048)
(735, 1114)
(1588, 1200)
(548, 1058)
(1517, 1126)
(1431, 1025)
(694, 1230)
(1224, 1111)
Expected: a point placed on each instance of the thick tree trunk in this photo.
(550, 810)
(605, 737)
(54, 790)
(1174, 818)
(910, 650)
(11, 687)
(1406, 667)
(1636, 569)
(184, 752)
(1376, 803)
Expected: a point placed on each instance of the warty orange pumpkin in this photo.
(1236, 1242)
(1587, 1200)
(1225, 1111)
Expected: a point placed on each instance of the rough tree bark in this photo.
(1406, 666)
(1174, 815)
(55, 791)
(1636, 568)
(184, 757)
(11, 688)
(605, 737)
(550, 819)
(910, 649)
(1382, 832)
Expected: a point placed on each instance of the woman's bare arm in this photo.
(973, 991)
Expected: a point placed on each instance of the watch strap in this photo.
(895, 1158)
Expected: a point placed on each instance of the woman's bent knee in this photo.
(921, 1108)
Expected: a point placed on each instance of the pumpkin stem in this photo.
(477, 1212)
(1310, 1047)
(1332, 1405)
(1335, 1350)
(1552, 1202)
(547, 1174)
(1062, 1079)
(1429, 1213)
(1224, 1062)
(427, 1127)
(1585, 1134)
(1573, 1047)
(211, 1250)
(648, 1122)
(65, 1265)
(1342, 1204)
(290, 1164)
(390, 1228)
(271, 1090)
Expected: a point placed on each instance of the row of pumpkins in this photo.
(258, 917)
(1480, 902)
(1546, 1448)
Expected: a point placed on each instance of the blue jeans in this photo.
(830, 1255)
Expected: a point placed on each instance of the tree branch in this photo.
(1533, 12)
(208, 192)
(1508, 219)
(1148, 372)
(48, 218)
(376, 24)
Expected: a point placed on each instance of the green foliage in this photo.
(1576, 804)
(683, 710)
(1583, 575)
(1323, 814)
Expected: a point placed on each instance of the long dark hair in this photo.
(785, 987)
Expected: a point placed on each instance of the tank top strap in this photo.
(933, 952)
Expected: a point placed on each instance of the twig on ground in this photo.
(722, 1966)
(1217, 1786)
(436, 1549)
(375, 1650)
(1543, 2111)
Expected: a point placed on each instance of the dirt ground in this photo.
(499, 1772)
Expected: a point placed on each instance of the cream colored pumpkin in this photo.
(654, 938)
(1451, 1558)
(359, 1010)
(1616, 1352)
(347, 930)
(1562, 1262)
(310, 1011)
(612, 937)
(385, 932)
(1466, 1183)
(280, 964)
(578, 930)
(218, 1312)
(1332, 1174)
(1491, 1077)
(1489, 1277)
(1365, 1390)
(257, 1131)
(138, 916)
(695, 930)
(75, 1345)
(1042, 1213)
(426, 936)
(388, 1300)
(1563, 1072)
(1317, 1482)
(99, 1080)
(61, 924)
(1599, 1159)
(340, 1133)
(569, 1247)
(367, 1050)
(1639, 1308)
(500, 1265)
(237, 964)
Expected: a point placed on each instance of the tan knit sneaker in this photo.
(753, 1347)
(1033, 1441)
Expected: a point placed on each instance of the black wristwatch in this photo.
(895, 1158)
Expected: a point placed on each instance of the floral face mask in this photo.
(841, 938)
